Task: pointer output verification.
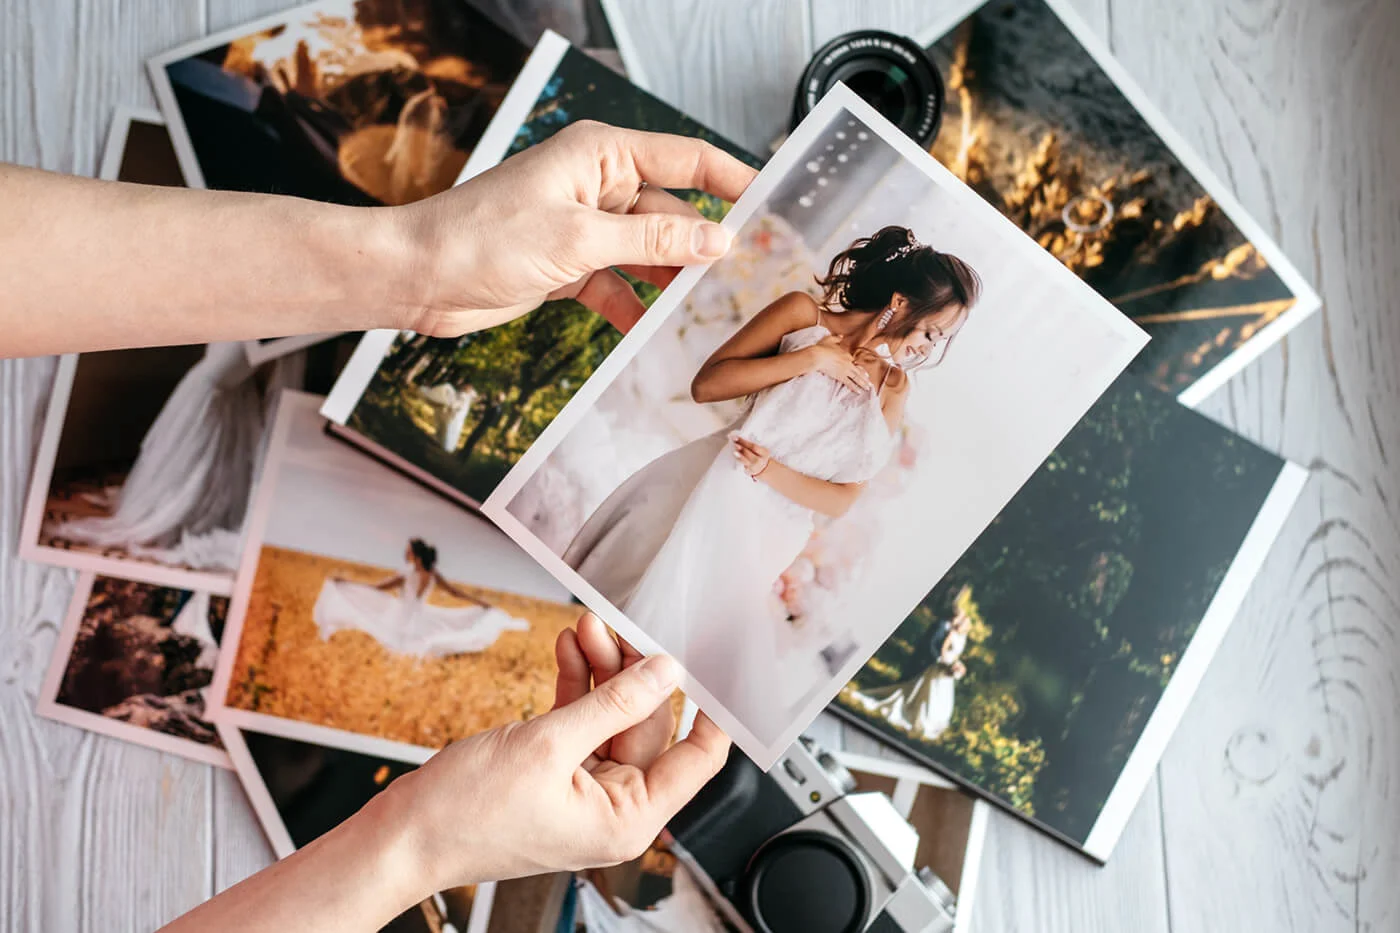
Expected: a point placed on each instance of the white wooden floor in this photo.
(1277, 807)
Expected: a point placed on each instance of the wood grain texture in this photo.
(1279, 800)
(1275, 806)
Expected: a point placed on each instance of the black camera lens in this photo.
(806, 882)
(893, 74)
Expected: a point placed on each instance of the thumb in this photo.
(623, 701)
(656, 238)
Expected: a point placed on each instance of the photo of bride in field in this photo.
(369, 613)
(822, 421)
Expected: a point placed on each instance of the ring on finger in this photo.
(631, 205)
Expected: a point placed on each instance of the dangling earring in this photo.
(884, 319)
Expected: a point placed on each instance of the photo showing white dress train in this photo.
(922, 707)
(183, 501)
(405, 622)
(689, 547)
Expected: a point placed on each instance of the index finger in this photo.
(682, 162)
(680, 771)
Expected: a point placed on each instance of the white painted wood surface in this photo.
(1275, 807)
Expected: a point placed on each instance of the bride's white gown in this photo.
(183, 502)
(922, 707)
(450, 409)
(406, 623)
(690, 546)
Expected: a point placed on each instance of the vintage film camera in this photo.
(795, 851)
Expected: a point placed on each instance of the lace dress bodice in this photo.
(816, 425)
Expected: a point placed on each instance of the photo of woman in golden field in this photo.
(388, 619)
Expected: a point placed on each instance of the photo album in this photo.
(456, 414)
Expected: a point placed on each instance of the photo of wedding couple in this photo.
(815, 428)
(135, 661)
(370, 614)
(458, 413)
(1034, 669)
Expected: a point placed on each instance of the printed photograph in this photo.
(1031, 670)
(459, 413)
(361, 102)
(584, 23)
(656, 893)
(1037, 127)
(135, 661)
(861, 383)
(369, 615)
(302, 791)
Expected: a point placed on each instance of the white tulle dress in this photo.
(184, 499)
(406, 623)
(690, 546)
(922, 707)
(684, 910)
(451, 406)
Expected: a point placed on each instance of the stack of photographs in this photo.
(1002, 542)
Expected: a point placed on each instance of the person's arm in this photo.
(91, 265)
(391, 583)
(591, 783)
(819, 495)
(749, 360)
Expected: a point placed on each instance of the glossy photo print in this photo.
(684, 512)
(1050, 664)
(370, 616)
(458, 413)
(134, 661)
(300, 791)
(1049, 128)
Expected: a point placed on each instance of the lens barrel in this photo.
(894, 74)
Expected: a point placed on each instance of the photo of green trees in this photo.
(506, 384)
(1083, 594)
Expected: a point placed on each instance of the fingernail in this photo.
(710, 241)
(661, 672)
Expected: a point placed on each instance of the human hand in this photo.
(553, 221)
(589, 783)
(958, 670)
(829, 357)
(752, 457)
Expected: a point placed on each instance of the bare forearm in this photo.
(735, 378)
(358, 876)
(94, 265)
(819, 495)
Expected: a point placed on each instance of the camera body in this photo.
(796, 850)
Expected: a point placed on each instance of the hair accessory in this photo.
(884, 319)
(904, 250)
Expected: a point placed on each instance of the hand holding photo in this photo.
(862, 382)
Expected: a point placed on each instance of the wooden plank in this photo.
(731, 64)
(1279, 800)
(100, 835)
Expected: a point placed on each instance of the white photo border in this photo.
(765, 755)
(48, 705)
(1307, 300)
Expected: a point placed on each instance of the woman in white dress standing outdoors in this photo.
(690, 545)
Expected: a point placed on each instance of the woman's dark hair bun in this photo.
(866, 275)
(424, 553)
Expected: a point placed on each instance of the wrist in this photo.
(388, 829)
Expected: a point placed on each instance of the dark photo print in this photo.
(1036, 126)
(364, 102)
(1030, 671)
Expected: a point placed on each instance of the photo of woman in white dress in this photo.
(180, 502)
(923, 707)
(396, 613)
(690, 546)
